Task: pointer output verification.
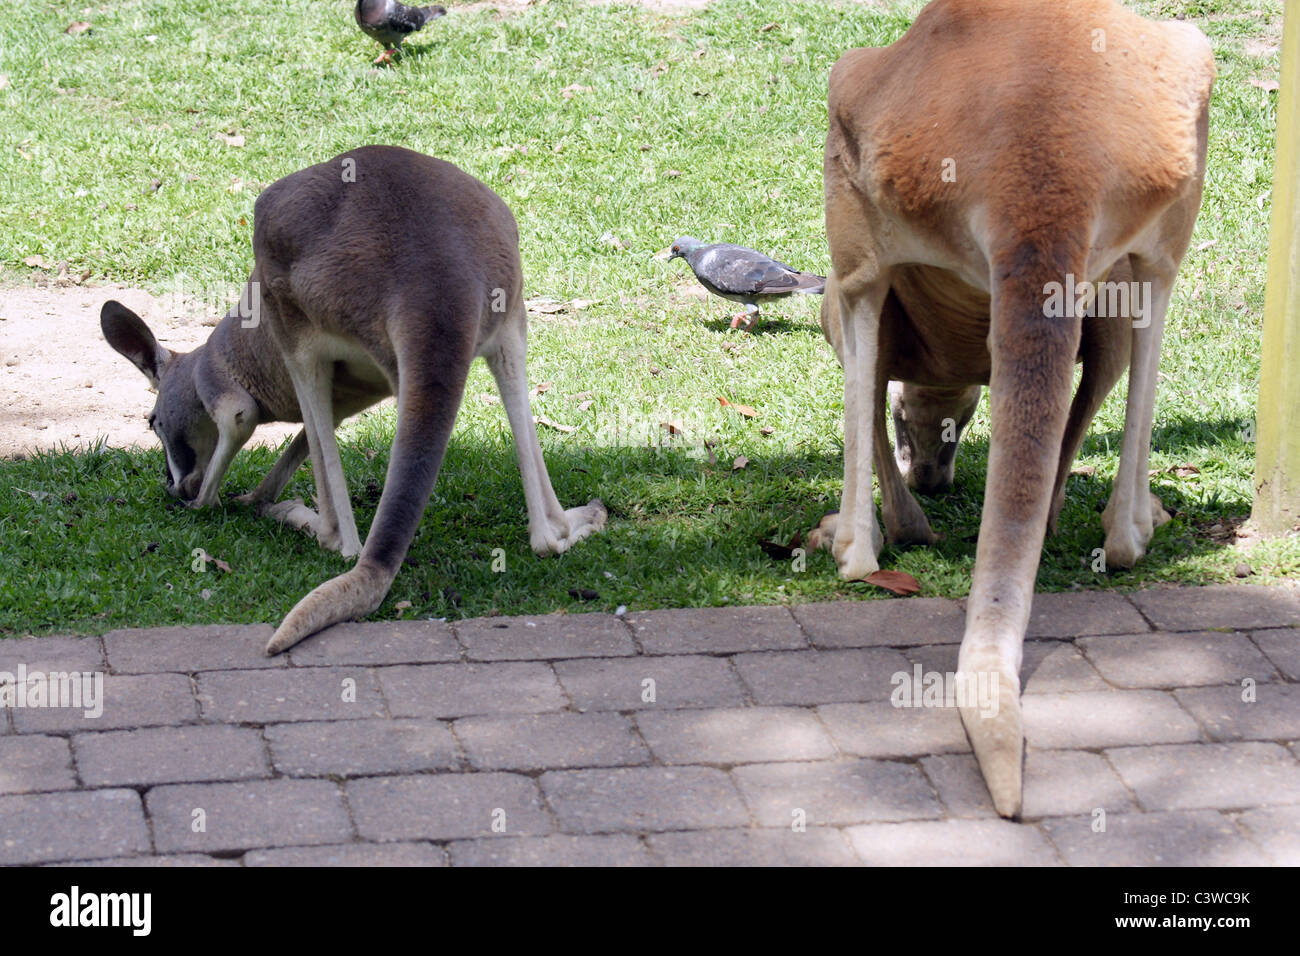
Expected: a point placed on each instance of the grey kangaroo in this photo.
(379, 272)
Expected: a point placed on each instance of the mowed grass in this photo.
(609, 130)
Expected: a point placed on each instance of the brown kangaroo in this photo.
(379, 272)
(999, 152)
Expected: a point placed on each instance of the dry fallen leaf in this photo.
(896, 582)
(220, 564)
(742, 409)
(768, 27)
(673, 428)
(401, 607)
(1269, 86)
(583, 406)
(658, 70)
(572, 89)
(541, 388)
(740, 462)
(36, 262)
(77, 27)
(488, 399)
(545, 306)
(766, 430)
(230, 139)
(543, 420)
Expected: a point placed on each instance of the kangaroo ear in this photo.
(127, 333)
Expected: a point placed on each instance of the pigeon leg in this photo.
(745, 320)
(385, 57)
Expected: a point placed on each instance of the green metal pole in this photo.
(1277, 450)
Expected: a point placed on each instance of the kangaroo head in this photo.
(928, 423)
(179, 418)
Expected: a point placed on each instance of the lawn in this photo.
(609, 130)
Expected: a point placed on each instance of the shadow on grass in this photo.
(92, 541)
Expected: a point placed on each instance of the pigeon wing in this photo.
(735, 270)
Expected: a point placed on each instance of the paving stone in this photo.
(1079, 613)
(1273, 715)
(821, 677)
(952, 843)
(350, 748)
(1105, 719)
(550, 741)
(310, 693)
(171, 861)
(238, 816)
(883, 730)
(156, 650)
(146, 701)
(544, 637)
(447, 807)
(169, 755)
(815, 846)
(1277, 831)
(47, 827)
(1047, 667)
(640, 799)
(723, 630)
(380, 642)
(351, 854)
(835, 792)
(743, 735)
(1282, 645)
(1240, 607)
(614, 849)
(51, 654)
(1222, 776)
(620, 683)
(1197, 838)
(463, 690)
(1056, 782)
(30, 764)
(882, 623)
(1177, 660)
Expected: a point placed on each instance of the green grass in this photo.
(700, 123)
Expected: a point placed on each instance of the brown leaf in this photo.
(742, 409)
(896, 582)
(573, 89)
(77, 27)
(541, 388)
(740, 462)
(546, 306)
(230, 139)
(1270, 86)
(543, 420)
(488, 399)
(766, 430)
(768, 27)
(673, 428)
(658, 70)
(401, 607)
(583, 406)
(36, 262)
(1184, 470)
(220, 564)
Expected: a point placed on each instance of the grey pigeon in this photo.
(390, 22)
(743, 275)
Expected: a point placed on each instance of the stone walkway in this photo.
(1163, 728)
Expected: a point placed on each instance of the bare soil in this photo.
(60, 382)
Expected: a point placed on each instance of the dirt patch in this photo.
(61, 384)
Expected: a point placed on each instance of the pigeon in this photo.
(389, 22)
(743, 275)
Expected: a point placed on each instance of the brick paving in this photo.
(1163, 727)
